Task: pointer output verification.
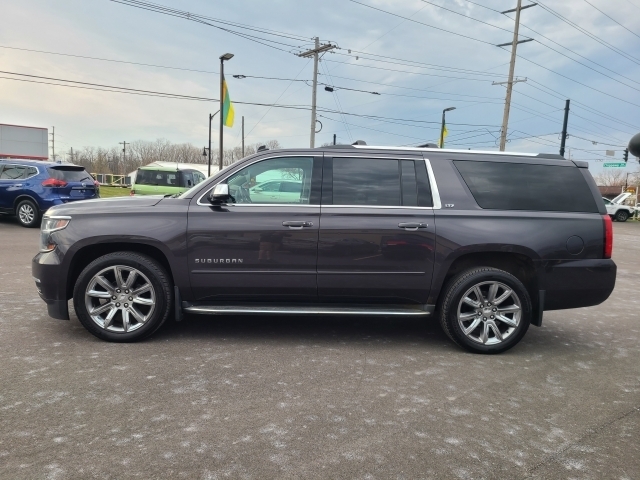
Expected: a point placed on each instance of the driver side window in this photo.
(260, 183)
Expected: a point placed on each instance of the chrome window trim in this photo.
(261, 159)
(396, 207)
(374, 156)
(435, 193)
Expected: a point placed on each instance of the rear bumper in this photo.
(578, 283)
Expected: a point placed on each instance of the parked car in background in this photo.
(155, 180)
(616, 208)
(28, 188)
(483, 241)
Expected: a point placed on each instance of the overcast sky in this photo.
(454, 71)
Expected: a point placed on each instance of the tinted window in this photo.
(187, 178)
(70, 174)
(517, 186)
(409, 185)
(157, 177)
(31, 171)
(12, 172)
(291, 187)
(276, 180)
(365, 181)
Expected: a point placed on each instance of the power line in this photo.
(589, 34)
(612, 19)
(117, 89)
(421, 23)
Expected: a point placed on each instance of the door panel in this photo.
(258, 248)
(377, 234)
(364, 256)
(244, 253)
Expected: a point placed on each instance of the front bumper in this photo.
(50, 281)
(578, 283)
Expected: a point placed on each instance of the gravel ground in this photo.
(267, 397)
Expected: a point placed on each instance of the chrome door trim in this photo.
(380, 310)
(435, 193)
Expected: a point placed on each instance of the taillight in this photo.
(52, 182)
(132, 192)
(96, 183)
(608, 236)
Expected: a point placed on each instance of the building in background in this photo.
(24, 143)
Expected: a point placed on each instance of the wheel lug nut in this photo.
(114, 297)
(484, 318)
(126, 291)
(131, 299)
(491, 316)
(495, 309)
(117, 304)
(118, 290)
(126, 305)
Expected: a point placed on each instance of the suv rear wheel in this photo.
(485, 310)
(622, 215)
(123, 297)
(28, 214)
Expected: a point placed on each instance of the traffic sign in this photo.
(621, 165)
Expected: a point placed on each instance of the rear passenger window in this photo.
(31, 171)
(518, 186)
(12, 172)
(365, 181)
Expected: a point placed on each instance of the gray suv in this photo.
(483, 241)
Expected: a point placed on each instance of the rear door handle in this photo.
(16, 185)
(412, 226)
(297, 224)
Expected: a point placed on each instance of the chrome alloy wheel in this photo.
(26, 213)
(120, 299)
(489, 313)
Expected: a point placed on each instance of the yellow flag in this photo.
(445, 132)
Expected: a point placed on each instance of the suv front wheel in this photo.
(123, 296)
(485, 310)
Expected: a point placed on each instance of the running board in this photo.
(378, 310)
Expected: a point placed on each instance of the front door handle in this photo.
(297, 224)
(412, 226)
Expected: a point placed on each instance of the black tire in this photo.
(452, 295)
(622, 215)
(28, 214)
(155, 275)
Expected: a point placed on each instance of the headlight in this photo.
(50, 225)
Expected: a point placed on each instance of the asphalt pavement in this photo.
(335, 398)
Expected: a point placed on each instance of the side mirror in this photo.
(220, 194)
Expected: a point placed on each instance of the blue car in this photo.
(28, 188)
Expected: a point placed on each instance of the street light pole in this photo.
(443, 124)
(210, 118)
(226, 56)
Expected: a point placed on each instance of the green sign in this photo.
(621, 165)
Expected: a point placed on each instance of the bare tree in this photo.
(613, 177)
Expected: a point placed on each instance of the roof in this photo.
(33, 162)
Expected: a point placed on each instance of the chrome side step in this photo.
(378, 310)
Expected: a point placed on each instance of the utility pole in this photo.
(124, 153)
(53, 143)
(334, 138)
(512, 66)
(243, 136)
(71, 154)
(308, 54)
(564, 127)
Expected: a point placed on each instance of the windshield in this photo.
(158, 177)
(70, 174)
